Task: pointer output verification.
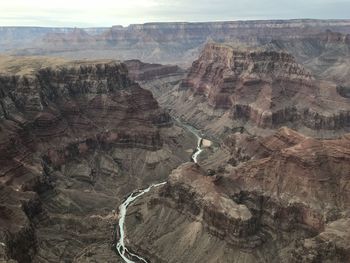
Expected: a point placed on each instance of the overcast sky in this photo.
(86, 13)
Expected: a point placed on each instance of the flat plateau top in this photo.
(23, 65)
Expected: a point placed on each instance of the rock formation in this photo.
(292, 205)
(75, 139)
(258, 90)
(326, 54)
(155, 77)
(140, 71)
(174, 43)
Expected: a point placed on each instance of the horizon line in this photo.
(187, 22)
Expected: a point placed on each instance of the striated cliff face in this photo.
(218, 211)
(257, 89)
(75, 139)
(291, 205)
(97, 103)
(326, 54)
(222, 72)
(175, 43)
(146, 72)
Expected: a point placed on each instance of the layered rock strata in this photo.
(176, 43)
(291, 205)
(140, 71)
(326, 54)
(258, 90)
(75, 139)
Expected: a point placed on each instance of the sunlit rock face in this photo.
(75, 139)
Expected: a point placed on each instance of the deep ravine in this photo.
(126, 255)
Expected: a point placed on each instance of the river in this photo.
(121, 248)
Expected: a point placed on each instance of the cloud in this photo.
(113, 12)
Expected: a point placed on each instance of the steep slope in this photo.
(291, 206)
(146, 72)
(259, 90)
(75, 139)
(326, 54)
(155, 77)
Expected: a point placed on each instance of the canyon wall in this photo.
(147, 72)
(75, 139)
(174, 43)
(288, 205)
(229, 87)
(326, 55)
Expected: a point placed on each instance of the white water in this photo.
(198, 150)
(122, 250)
(196, 133)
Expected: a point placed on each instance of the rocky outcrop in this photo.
(17, 232)
(222, 72)
(196, 195)
(72, 103)
(75, 139)
(140, 71)
(242, 147)
(257, 89)
(325, 54)
(331, 245)
(289, 204)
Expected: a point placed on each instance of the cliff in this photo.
(256, 88)
(287, 206)
(75, 139)
(326, 54)
(174, 43)
(140, 71)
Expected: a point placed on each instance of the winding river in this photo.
(121, 248)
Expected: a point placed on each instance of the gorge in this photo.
(176, 142)
(122, 250)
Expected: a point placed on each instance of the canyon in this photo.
(76, 139)
(176, 142)
(266, 209)
(258, 90)
(165, 43)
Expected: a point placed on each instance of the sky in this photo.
(87, 13)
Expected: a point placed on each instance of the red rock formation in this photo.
(59, 130)
(307, 172)
(293, 203)
(242, 147)
(265, 88)
(222, 72)
(196, 195)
